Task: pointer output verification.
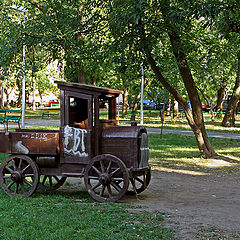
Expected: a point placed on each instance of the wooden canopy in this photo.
(88, 89)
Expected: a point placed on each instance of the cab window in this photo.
(78, 112)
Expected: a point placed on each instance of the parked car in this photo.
(51, 103)
(149, 105)
(205, 108)
(102, 103)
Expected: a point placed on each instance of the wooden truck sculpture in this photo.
(112, 159)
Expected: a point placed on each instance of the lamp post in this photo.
(22, 9)
(141, 106)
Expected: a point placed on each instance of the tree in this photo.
(43, 84)
(10, 42)
(127, 66)
(231, 15)
(223, 17)
(213, 68)
(142, 24)
(72, 30)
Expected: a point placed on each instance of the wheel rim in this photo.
(140, 183)
(19, 176)
(51, 182)
(106, 178)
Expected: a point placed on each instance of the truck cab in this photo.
(86, 132)
(81, 121)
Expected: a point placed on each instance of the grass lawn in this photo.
(39, 113)
(152, 119)
(175, 152)
(209, 125)
(74, 215)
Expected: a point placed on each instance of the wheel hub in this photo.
(16, 176)
(105, 179)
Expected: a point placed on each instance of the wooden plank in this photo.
(42, 143)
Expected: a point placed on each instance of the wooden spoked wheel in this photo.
(106, 178)
(19, 176)
(47, 182)
(139, 183)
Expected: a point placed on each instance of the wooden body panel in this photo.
(4, 142)
(122, 142)
(30, 142)
(76, 147)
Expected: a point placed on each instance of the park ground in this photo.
(196, 204)
(199, 198)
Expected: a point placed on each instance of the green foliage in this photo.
(10, 41)
(103, 41)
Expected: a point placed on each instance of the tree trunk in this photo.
(133, 112)
(6, 93)
(1, 95)
(175, 109)
(74, 71)
(94, 81)
(168, 110)
(195, 121)
(221, 95)
(238, 108)
(229, 117)
(125, 103)
(34, 95)
(41, 99)
(82, 76)
(135, 106)
(195, 118)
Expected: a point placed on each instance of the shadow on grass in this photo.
(70, 191)
(179, 152)
(228, 159)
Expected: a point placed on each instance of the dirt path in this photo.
(200, 206)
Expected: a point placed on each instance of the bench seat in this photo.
(10, 115)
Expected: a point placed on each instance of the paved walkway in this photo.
(47, 122)
(41, 122)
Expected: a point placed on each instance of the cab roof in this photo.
(88, 89)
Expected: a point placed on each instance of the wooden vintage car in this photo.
(113, 160)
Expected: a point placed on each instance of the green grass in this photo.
(44, 127)
(74, 215)
(182, 124)
(152, 119)
(38, 114)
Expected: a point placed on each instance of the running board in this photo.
(73, 174)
